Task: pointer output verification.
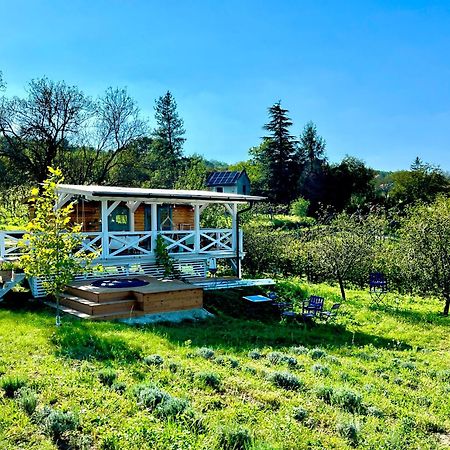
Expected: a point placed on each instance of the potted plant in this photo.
(6, 271)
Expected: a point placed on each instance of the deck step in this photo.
(93, 308)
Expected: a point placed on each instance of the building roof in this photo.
(158, 195)
(225, 178)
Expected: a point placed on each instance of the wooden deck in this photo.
(103, 303)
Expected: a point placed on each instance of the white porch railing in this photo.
(139, 244)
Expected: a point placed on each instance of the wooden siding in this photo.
(87, 213)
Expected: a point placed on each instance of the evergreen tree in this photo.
(169, 135)
(280, 156)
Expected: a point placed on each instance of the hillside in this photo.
(378, 378)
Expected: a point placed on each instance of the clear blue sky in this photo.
(373, 76)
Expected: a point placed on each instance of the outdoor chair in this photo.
(312, 307)
(330, 315)
(378, 287)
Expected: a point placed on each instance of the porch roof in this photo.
(158, 195)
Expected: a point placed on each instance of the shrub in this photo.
(210, 379)
(333, 360)
(317, 353)
(299, 350)
(325, 393)
(349, 431)
(234, 439)
(285, 380)
(375, 412)
(107, 376)
(234, 363)
(299, 207)
(321, 370)
(275, 357)
(171, 407)
(443, 375)
(27, 400)
(154, 360)
(205, 352)
(255, 354)
(119, 386)
(299, 413)
(174, 367)
(150, 397)
(346, 399)
(11, 384)
(56, 423)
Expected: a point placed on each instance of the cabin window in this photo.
(219, 189)
(119, 219)
(165, 222)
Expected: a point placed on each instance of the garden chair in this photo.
(378, 287)
(312, 307)
(330, 315)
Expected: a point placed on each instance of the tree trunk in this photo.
(447, 305)
(341, 285)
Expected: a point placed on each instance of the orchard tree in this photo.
(425, 248)
(279, 156)
(344, 247)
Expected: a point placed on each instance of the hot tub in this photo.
(119, 283)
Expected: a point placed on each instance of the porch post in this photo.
(154, 225)
(197, 228)
(132, 207)
(234, 225)
(105, 237)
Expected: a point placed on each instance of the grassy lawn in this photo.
(378, 378)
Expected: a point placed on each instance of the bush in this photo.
(317, 353)
(375, 412)
(255, 354)
(325, 393)
(119, 386)
(154, 360)
(171, 407)
(299, 413)
(285, 380)
(321, 370)
(174, 367)
(349, 431)
(275, 357)
(234, 439)
(56, 423)
(150, 397)
(299, 207)
(299, 350)
(348, 400)
(27, 400)
(107, 376)
(205, 352)
(210, 379)
(11, 384)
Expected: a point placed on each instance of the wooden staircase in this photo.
(87, 302)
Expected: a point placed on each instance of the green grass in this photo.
(379, 378)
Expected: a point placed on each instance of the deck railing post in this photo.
(235, 237)
(2, 245)
(197, 228)
(105, 231)
(154, 225)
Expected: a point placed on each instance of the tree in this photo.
(194, 174)
(425, 248)
(169, 134)
(52, 242)
(312, 146)
(423, 182)
(38, 127)
(279, 156)
(345, 247)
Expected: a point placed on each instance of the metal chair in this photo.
(330, 315)
(378, 287)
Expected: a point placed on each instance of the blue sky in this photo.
(373, 76)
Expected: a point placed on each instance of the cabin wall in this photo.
(88, 214)
(183, 217)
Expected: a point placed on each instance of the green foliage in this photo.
(154, 360)
(286, 380)
(151, 396)
(205, 352)
(27, 400)
(234, 439)
(299, 413)
(347, 400)
(300, 207)
(209, 379)
(350, 431)
(12, 384)
(51, 244)
(107, 376)
(163, 258)
(56, 423)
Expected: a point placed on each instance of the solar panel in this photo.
(223, 178)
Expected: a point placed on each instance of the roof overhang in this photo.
(154, 195)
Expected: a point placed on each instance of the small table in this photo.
(257, 299)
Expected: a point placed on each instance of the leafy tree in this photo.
(279, 155)
(194, 174)
(299, 207)
(423, 182)
(169, 134)
(425, 248)
(312, 146)
(37, 128)
(52, 248)
(344, 248)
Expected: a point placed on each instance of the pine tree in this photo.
(169, 135)
(312, 146)
(280, 156)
